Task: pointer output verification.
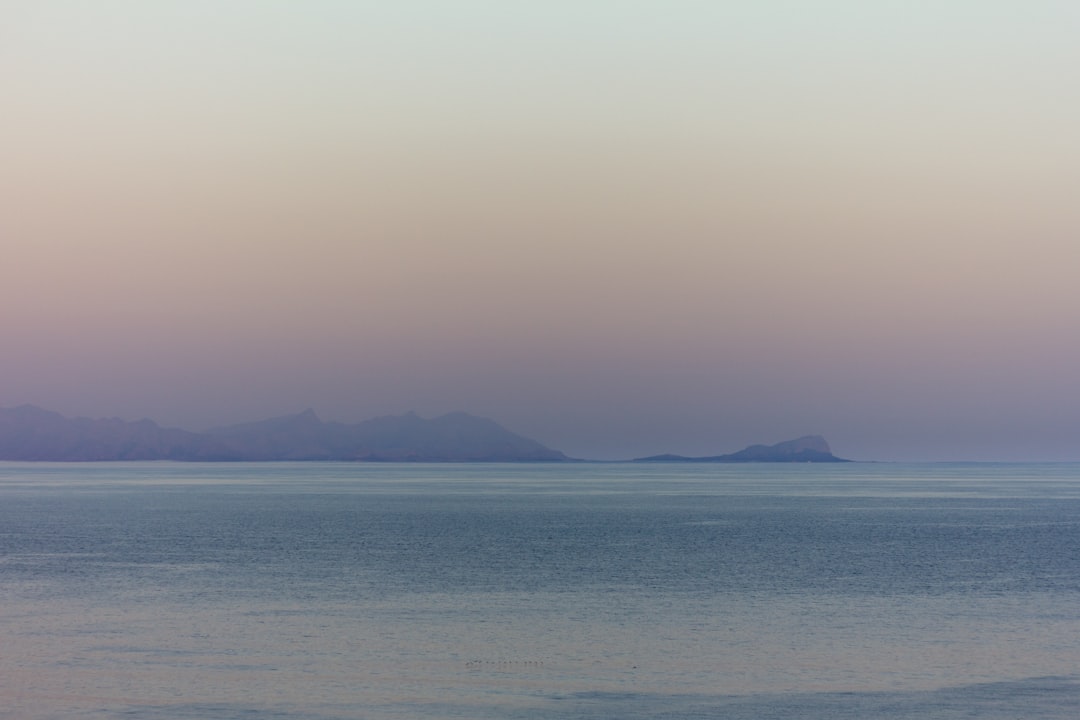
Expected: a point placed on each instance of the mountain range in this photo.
(31, 433)
(28, 432)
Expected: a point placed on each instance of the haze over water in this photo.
(326, 590)
(620, 228)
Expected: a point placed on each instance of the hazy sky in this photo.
(618, 227)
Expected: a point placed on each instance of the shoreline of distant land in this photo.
(30, 433)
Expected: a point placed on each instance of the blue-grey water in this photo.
(529, 592)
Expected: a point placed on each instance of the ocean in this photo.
(551, 591)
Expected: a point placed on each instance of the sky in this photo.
(621, 228)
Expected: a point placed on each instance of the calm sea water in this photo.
(532, 592)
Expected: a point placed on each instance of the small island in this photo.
(809, 448)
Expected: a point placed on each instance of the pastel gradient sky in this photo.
(618, 227)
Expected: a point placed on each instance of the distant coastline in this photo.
(809, 448)
(31, 433)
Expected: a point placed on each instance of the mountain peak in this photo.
(806, 443)
(307, 416)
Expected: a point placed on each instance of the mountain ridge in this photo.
(30, 433)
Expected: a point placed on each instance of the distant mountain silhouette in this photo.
(456, 437)
(30, 433)
(810, 448)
